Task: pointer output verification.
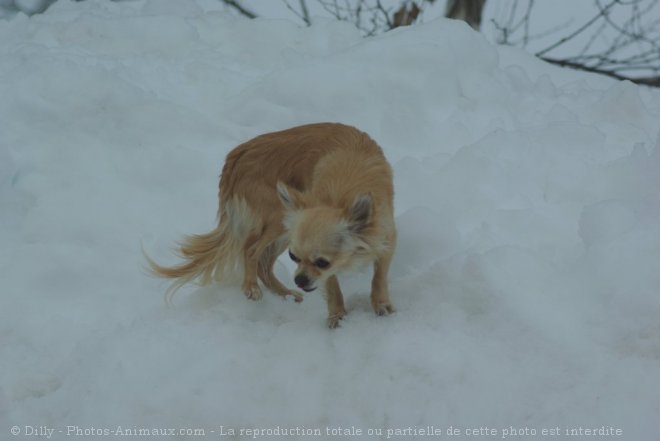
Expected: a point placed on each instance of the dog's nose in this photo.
(301, 280)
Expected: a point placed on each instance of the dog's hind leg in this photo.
(265, 272)
(251, 254)
(256, 249)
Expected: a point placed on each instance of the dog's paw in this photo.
(297, 296)
(333, 320)
(383, 308)
(253, 292)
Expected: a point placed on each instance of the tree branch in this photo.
(578, 31)
(646, 81)
(303, 14)
(240, 8)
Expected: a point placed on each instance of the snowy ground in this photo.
(528, 205)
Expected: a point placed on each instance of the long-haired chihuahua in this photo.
(324, 191)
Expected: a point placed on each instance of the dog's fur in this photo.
(325, 190)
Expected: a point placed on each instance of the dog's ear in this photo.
(290, 197)
(360, 213)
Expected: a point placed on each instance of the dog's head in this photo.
(324, 240)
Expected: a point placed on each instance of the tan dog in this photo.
(323, 189)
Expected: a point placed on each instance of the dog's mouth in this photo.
(308, 289)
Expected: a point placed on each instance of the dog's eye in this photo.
(321, 263)
(293, 257)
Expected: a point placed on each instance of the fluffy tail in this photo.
(206, 257)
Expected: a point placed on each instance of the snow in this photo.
(526, 279)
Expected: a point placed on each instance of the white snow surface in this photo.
(526, 280)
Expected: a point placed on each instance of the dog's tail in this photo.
(206, 257)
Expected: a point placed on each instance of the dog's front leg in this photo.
(336, 310)
(380, 296)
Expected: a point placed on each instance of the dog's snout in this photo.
(301, 281)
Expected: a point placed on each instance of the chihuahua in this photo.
(324, 191)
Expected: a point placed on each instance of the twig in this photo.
(576, 32)
(647, 81)
(240, 8)
(303, 14)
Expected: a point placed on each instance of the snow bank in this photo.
(526, 278)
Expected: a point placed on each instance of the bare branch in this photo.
(578, 31)
(526, 20)
(305, 12)
(385, 13)
(302, 14)
(235, 4)
(633, 52)
(646, 81)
